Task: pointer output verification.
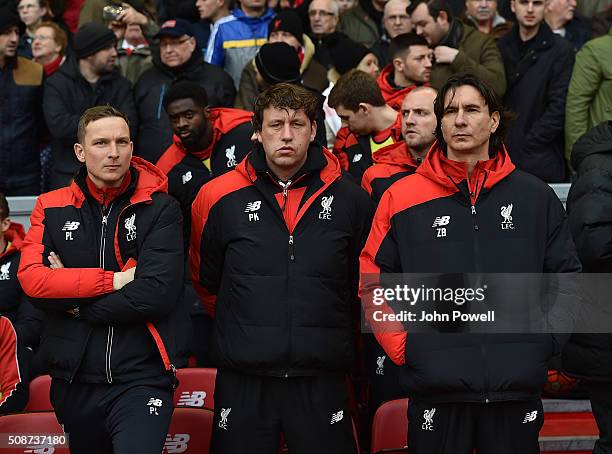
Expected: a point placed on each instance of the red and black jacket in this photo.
(390, 164)
(10, 373)
(187, 172)
(355, 151)
(469, 367)
(120, 335)
(394, 95)
(277, 268)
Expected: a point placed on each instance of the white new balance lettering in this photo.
(154, 404)
(71, 225)
(176, 443)
(337, 417)
(193, 399)
(530, 416)
(187, 177)
(4, 271)
(441, 221)
(253, 206)
(357, 157)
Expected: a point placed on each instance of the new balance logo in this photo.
(154, 404)
(438, 223)
(251, 208)
(193, 399)
(4, 271)
(530, 416)
(357, 157)
(337, 417)
(176, 444)
(187, 177)
(69, 227)
(224, 414)
(428, 417)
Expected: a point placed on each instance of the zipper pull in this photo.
(473, 210)
(291, 254)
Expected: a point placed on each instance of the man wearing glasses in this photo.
(396, 22)
(179, 57)
(323, 15)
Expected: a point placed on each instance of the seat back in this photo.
(390, 427)
(28, 425)
(196, 388)
(39, 399)
(190, 431)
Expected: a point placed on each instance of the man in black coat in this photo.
(589, 205)
(179, 59)
(88, 80)
(538, 70)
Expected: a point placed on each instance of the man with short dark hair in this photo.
(88, 80)
(458, 48)
(368, 123)
(468, 391)
(179, 59)
(411, 62)
(104, 259)
(538, 70)
(401, 159)
(21, 120)
(207, 142)
(273, 254)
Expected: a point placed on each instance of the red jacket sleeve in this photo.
(340, 147)
(40, 281)
(10, 375)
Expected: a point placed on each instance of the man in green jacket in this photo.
(363, 22)
(458, 48)
(589, 96)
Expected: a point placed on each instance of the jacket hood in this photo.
(448, 173)
(597, 141)
(397, 154)
(394, 96)
(14, 235)
(329, 173)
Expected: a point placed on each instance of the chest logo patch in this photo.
(130, 226)
(326, 204)
(230, 154)
(506, 212)
(69, 227)
(252, 208)
(187, 177)
(4, 271)
(439, 224)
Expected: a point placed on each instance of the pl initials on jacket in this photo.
(279, 266)
(440, 221)
(117, 336)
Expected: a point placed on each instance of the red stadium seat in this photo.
(190, 431)
(390, 427)
(33, 423)
(196, 388)
(39, 394)
(566, 429)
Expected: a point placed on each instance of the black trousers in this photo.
(459, 428)
(251, 412)
(601, 403)
(116, 419)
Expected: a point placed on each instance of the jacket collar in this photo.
(397, 154)
(454, 35)
(14, 236)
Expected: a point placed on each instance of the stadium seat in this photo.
(33, 423)
(569, 426)
(39, 394)
(190, 431)
(390, 426)
(196, 388)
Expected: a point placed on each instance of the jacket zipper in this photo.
(110, 333)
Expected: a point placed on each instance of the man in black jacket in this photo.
(468, 210)
(538, 70)
(589, 356)
(88, 80)
(104, 259)
(274, 250)
(179, 58)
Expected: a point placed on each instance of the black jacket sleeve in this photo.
(158, 282)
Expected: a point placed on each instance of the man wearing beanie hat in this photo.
(90, 79)
(179, 58)
(21, 121)
(286, 27)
